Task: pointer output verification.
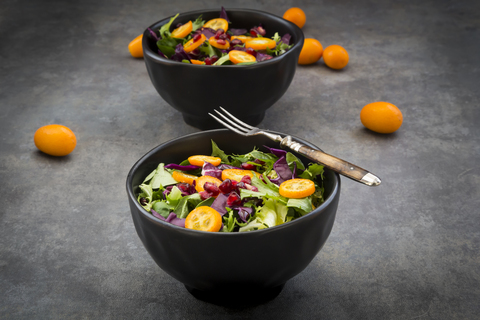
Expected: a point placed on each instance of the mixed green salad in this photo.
(214, 42)
(233, 193)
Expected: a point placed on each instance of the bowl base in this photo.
(207, 123)
(237, 298)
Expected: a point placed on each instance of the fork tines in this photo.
(235, 124)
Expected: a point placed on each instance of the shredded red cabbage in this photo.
(237, 32)
(182, 168)
(210, 170)
(172, 218)
(223, 14)
(180, 54)
(220, 203)
(286, 38)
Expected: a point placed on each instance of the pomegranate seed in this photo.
(234, 183)
(208, 61)
(183, 187)
(248, 166)
(233, 199)
(252, 52)
(221, 31)
(196, 37)
(246, 179)
(143, 201)
(236, 42)
(259, 161)
(179, 25)
(228, 36)
(214, 59)
(221, 42)
(204, 195)
(211, 188)
(261, 30)
(223, 36)
(253, 33)
(241, 185)
(250, 187)
(226, 186)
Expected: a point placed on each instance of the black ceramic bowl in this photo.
(255, 261)
(246, 91)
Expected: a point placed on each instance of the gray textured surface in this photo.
(406, 250)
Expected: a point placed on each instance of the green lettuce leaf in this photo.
(302, 205)
(187, 204)
(162, 208)
(165, 29)
(162, 178)
(198, 23)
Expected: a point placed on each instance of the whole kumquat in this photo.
(335, 57)
(297, 188)
(135, 47)
(312, 51)
(199, 160)
(295, 15)
(381, 117)
(55, 140)
(204, 218)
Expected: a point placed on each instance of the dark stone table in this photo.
(408, 249)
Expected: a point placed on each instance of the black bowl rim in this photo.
(153, 219)
(152, 55)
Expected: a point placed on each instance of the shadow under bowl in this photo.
(246, 91)
(255, 264)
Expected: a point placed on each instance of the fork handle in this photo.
(343, 167)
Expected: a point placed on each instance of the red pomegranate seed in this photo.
(246, 179)
(248, 166)
(221, 42)
(183, 187)
(196, 37)
(253, 32)
(226, 186)
(233, 199)
(208, 61)
(214, 59)
(241, 185)
(261, 30)
(251, 51)
(211, 188)
(223, 36)
(250, 187)
(236, 42)
(204, 195)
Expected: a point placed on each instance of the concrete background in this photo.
(408, 249)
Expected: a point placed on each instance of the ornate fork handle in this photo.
(343, 167)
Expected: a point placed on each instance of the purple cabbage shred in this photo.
(154, 35)
(238, 32)
(180, 54)
(210, 170)
(220, 203)
(286, 39)
(182, 168)
(223, 14)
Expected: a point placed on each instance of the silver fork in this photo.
(338, 165)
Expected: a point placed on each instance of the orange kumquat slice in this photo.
(204, 218)
(297, 188)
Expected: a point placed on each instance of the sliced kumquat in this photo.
(196, 61)
(220, 43)
(199, 160)
(200, 182)
(260, 43)
(237, 56)
(238, 174)
(297, 188)
(183, 30)
(204, 218)
(242, 38)
(184, 177)
(216, 24)
(192, 45)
